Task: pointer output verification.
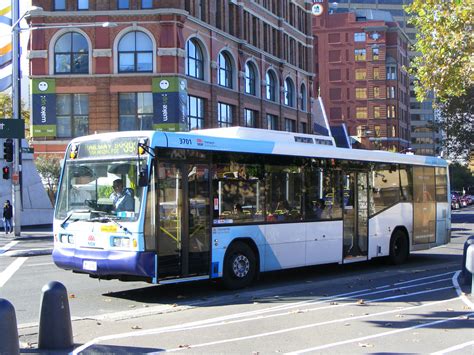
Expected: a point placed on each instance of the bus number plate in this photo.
(89, 265)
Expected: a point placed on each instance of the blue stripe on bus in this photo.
(109, 262)
(184, 141)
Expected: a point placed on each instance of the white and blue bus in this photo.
(233, 202)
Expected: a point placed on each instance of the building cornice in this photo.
(41, 53)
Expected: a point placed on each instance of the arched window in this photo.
(194, 60)
(71, 54)
(224, 77)
(271, 87)
(250, 79)
(289, 93)
(303, 97)
(135, 53)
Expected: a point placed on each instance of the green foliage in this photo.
(6, 110)
(49, 169)
(105, 191)
(460, 177)
(445, 44)
(457, 124)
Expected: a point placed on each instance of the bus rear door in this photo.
(355, 216)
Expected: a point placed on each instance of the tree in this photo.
(457, 124)
(460, 178)
(6, 110)
(49, 169)
(445, 44)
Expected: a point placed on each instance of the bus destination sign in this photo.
(100, 148)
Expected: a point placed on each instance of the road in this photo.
(370, 307)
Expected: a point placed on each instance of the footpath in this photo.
(31, 242)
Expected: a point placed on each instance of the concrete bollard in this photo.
(9, 343)
(55, 328)
(465, 274)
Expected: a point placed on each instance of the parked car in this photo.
(469, 198)
(455, 202)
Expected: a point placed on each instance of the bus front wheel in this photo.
(239, 266)
(399, 248)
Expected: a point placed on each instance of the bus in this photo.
(231, 203)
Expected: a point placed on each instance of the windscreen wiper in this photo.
(73, 212)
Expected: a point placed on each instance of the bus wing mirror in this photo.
(143, 177)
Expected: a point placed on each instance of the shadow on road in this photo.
(286, 282)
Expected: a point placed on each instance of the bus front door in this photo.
(184, 236)
(355, 244)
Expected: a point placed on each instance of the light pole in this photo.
(16, 95)
(16, 103)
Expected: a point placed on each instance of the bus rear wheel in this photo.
(239, 266)
(399, 248)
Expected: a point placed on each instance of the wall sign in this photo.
(170, 104)
(43, 108)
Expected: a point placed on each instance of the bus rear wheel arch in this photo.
(240, 265)
(399, 247)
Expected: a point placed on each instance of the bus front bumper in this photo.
(105, 262)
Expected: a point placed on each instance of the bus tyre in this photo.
(399, 248)
(239, 266)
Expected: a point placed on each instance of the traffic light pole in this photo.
(16, 103)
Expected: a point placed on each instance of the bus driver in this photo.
(121, 198)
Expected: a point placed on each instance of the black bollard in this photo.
(9, 343)
(55, 328)
(466, 276)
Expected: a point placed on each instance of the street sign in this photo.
(12, 128)
(27, 150)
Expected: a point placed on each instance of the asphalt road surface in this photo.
(363, 308)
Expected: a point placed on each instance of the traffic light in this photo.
(6, 172)
(8, 151)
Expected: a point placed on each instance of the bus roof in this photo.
(262, 141)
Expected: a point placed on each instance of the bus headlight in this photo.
(66, 238)
(121, 242)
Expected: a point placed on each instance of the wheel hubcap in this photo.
(241, 266)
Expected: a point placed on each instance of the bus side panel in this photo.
(223, 236)
(443, 222)
(285, 247)
(324, 242)
(382, 225)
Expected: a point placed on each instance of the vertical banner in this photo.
(170, 104)
(6, 52)
(43, 108)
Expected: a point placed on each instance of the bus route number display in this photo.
(119, 146)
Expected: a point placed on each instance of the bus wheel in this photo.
(239, 266)
(399, 248)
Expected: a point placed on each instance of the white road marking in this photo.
(8, 246)
(461, 294)
(454, 348)
(306, 326)
(10, 270)
(226, 320)
(353, 340)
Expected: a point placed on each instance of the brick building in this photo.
(96, 66)
(425, 139)
(359, 57)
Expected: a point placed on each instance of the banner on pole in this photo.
(43, 108)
